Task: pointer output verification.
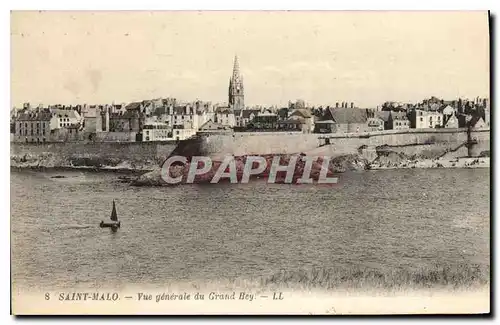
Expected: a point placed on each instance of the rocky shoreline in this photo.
(337, 165)
(52, 161)
(149, 173)
(463, 162)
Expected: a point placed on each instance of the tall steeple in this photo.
(236, 68)
(236, 89)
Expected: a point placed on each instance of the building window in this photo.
(421, 119)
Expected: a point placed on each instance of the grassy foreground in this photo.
(461, 276)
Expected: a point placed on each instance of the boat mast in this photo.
(114, 217)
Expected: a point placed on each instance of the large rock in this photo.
(339, 164)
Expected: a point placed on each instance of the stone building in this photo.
(266, 120)
(303, 116)
(245, 116)
(40, 124)
(103, 119)
(398, 121)
(384, 116)
(477, 122)
(421, 119)
(66, 117)
(343, 120)
(450, 121)
(157, 131)
(130, 121)
(375, 124)
(34, 126)
(224, 116)
(447, 110)
(89, 115)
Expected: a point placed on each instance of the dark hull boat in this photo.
(114, 223)
(109, 224)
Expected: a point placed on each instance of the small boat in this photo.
(58, 176)
(114, 223)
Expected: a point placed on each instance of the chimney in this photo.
(352, 105)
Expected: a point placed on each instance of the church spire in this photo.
(236, 92)
(236, 68)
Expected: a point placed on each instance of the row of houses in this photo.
(152, 120)
(460, 105)
(166, 119)
(41, 125)
(347, 120)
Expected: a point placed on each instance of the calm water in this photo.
(400, 219)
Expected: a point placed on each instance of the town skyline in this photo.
(86, 67)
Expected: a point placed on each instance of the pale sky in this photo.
(321, 57)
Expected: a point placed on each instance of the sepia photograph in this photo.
(250, 162)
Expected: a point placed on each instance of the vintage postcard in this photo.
(250, 162)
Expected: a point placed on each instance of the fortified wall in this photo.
(430, 143)
(261, 143)
(131, 155)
